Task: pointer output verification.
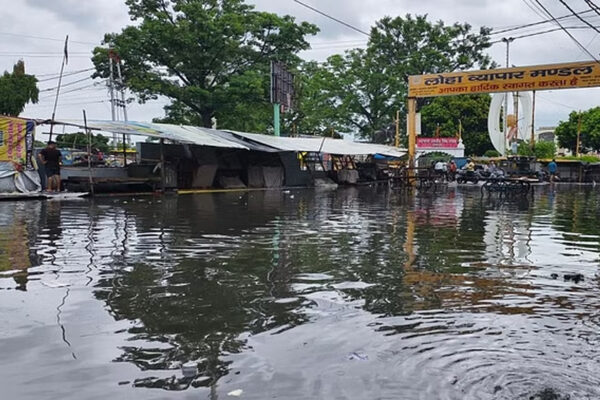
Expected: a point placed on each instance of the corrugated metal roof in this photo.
(322, 145)
(240, 140)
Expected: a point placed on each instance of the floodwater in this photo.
(347, 294)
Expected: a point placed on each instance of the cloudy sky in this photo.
(35, 29)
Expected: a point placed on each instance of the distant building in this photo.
(546, 134)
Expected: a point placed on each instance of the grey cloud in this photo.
(92, 14)
(88, 20)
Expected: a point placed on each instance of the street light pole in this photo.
(508, 41)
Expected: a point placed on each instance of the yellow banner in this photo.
(537, 77)
(13, 138)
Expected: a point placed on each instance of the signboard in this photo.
(438, 143)
(16, 139)
(282, 85)
(538, 77)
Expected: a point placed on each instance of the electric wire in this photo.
(339, 21)
(578, 16)
(566, 31)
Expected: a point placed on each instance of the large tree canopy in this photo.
(470, 110)
(367, 86)
(210, 57)
(16, 90)
(566, 132)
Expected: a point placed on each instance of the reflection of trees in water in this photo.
(199, 307)
(196, 308)
(577, 212)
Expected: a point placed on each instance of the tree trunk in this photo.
(207, 118)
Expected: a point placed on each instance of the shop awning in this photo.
(322, 145)
(239, 140)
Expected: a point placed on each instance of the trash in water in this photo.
(573, 277)
(235, 393)
(554, 276)
(358, 356)
(189, 370)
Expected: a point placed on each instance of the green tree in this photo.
(566, 132)
(210, 57)
(367, 86)
(16, 90)
(470, 110)
(79, 141)
(544, 150)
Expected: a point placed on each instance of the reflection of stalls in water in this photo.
(17, 171)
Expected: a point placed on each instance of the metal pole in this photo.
(397, 128)
(89, 152)
(578, 134)
(123, 104)
(533, 122)
(412, 136)
(62, 69)
(111, 85)
(162, 165)
(507, 41)
(276, 120)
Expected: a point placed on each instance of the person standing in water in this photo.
(51, 158)
(552, 167)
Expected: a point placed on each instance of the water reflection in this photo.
(355, 293)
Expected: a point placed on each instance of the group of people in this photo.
(448, 170)
(445, 170)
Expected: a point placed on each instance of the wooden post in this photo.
(162, 165)
(89, 152)
(412, 137)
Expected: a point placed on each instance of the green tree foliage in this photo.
(210, 57)
(542, 150)
(367, 86)
(16, 90)
(524, 149)
(470, 110)
(545, 149)
(566, 132)
(79, 141)
(491, 153)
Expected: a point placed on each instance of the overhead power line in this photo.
(56, 76)
(566, 31)
(593, 6)
(545, 21)
(542, 33)
(67, 84)
(339, 21)
(579, 17)
(47, 38)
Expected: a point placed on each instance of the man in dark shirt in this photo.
(51, 158)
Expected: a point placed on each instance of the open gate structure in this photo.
(517, 79)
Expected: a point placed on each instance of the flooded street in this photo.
(347, 294)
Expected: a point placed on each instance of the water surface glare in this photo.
(357, 293)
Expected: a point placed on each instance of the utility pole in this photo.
(126, 138)
(508, 41)
(111, 87)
